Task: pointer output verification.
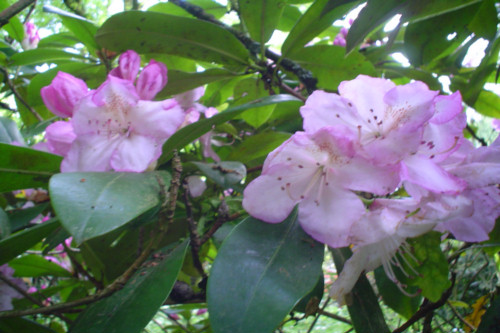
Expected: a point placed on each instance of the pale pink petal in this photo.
(447, 108)
(196, 185)
(90, 153)
(157, 119)
(423, 172)
(393, 147)
(206, 146)
(129, 64)
(152, 80)
(60, 135)
(63, 94)
(189, 98)
(134, 154)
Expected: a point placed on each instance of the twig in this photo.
(31, 10)
(182, 327)
(80, 269)
(16, 93)
(427, 307)
(256, 168)
(474, 135)
(303, 75)
(222, 217)
(317, 315)
(459, 316)
(193, 231)
(13, 10)
(291, 91)
(334, 316)
(169, 209)
(474, 277)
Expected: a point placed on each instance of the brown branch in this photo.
(427, 307)
(255, 48)
(474, 135)
(334, 316)
(13, 10)
(80, 269)
(18, 96)
(462, 319)
(291, 91)
(222, 217)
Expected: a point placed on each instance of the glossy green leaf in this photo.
(371, 16)
(4, 225)
(22, 168)
(276, 266)
(182, 81)
(17, 243)
(226, 173)
(248, 90)
(393, 297)
(22, 325)
(290, 16)
(317, 18)
(82, 28)
(261, 17)
(488, 104)
(92, 204)
(363, 306)
(491, 319)
(43, 55)
(433, 267)
(150, 32)
(330, 65)
(208, 6)
(484, 24)
(33, 265)
(428, 39)
(416, 10)
(9, 132)
(21, 218)
(192, 132)
(393, 72)
(131, 308)
(58, 40)
(258, 145)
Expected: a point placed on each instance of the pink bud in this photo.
(201, 311)
(129, 65)
(151, 80)
(63, 93)
(60, 135)
(31, 37)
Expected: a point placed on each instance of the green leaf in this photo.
(277, 265)
(22, 325)
(428, 39)
(484, 24)
(150, 32)
(371, 16)
(82, 28)
(261, 17)
(488, 104)
(9, 132)
(131, 308)
(317, 18)
(15, 28)
(92, 204)
(416, 10)
(17, 243)
(4, 225)
(59, 40)
(491, 319)
(248, 90)
(433, 267)
(22, 168)
(209, 7)
(21, 218)
(258, 145)
(183, 81)
(290, 16)
(365, 312)
(33, 265)
(393, 297)
(43, 55)
(330, 64)
(226, 173)
(192, 132)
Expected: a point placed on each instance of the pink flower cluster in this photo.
(31, 37)
(115, 127)
(377, 138)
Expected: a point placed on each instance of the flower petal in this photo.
(157, 119)
(134, 154)
(152, 80)
(63, 94)
(90, 153)
(60, 135)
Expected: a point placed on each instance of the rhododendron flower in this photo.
(318, 172)
(31, 37)
(63, 94)
(60, 135)
(116, 130)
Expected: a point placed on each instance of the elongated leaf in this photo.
(192, 132)
(131, 308)
(416, 10)
(82, 28)
(488, 104)
(371, 16)
(330, 64)
(92, 204)
(33, 265)
(17, 243)
(365, 312)
(22, 167)
(226, 173)
(15, 28)
(258, 145)
(261, 271)
(21, 218)
(183, 81)
(261, 17)
(484, 24)
(4, 224)
(21, 325)
(248, 90)
(317, 18)
(9, 132)
(290, 16)
(43, 55)
(150, 32)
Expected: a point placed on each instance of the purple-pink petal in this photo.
(62, 95)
